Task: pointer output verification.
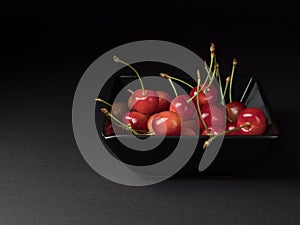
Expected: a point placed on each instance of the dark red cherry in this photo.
(145, 103)
(256, 119)
(164, 100)
(213, 115)
(209, 96)
(149, 122)
(233, 109)
(166, 123)
(137, 120)
(108, 128)
(212, 131)
(186, 110)
(230, 126)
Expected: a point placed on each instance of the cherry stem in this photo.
(198, 89)
(226, 87)
(198, 103)
(234, 63)
(213, 60)
(220, 82)
(103, 101)
(130, 91)
(211, 79)
(174, 89)
(164, 75)
(117, 60)
(109, 115)
(210, 140)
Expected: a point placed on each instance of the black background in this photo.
(45, 180)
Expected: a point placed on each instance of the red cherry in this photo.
(209, 97)
(149, 122)
(164, 100)
(256, 119)
(233, 109)
(166, 123)
(212, 131)
(108, 128)
(192, 124)
(188, 132)
(212, 115)
(230, 126)
(145, 103)
(185, 109)
(137, 120)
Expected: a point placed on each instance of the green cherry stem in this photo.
(226, 87)
(218, 75)
(234, 63)
(198, 103)
(210, 140)
(117, 60)
(172, 85)
(130, 91)
(164, 75)
(109, 115)
(103, 101)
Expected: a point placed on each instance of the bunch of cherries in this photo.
(202, 112)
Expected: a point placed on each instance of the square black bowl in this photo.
(237, 153)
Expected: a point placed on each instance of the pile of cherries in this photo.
(202, 112)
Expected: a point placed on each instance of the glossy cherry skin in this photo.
(209, 97)
(137, 120)
(146, 103)
(213, 115)
(229, 127)
(186, 110)
(255, 117)
(149, 122)
(166, 123)
(233, 109)
(164, 100)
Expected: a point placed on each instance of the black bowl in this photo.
(236, 154)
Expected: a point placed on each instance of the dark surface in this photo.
(45, 180)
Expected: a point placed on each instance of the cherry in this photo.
(149, 122)
(108, 128)
(164, 100)
(232, 126)
(166, 123)
(207, 95)
(212, 115)
(188, 132)
(233, 109)
(136, 120)
(212, 131)
(192, 124)
(144, 102)
(185, 109)
(256, 120)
